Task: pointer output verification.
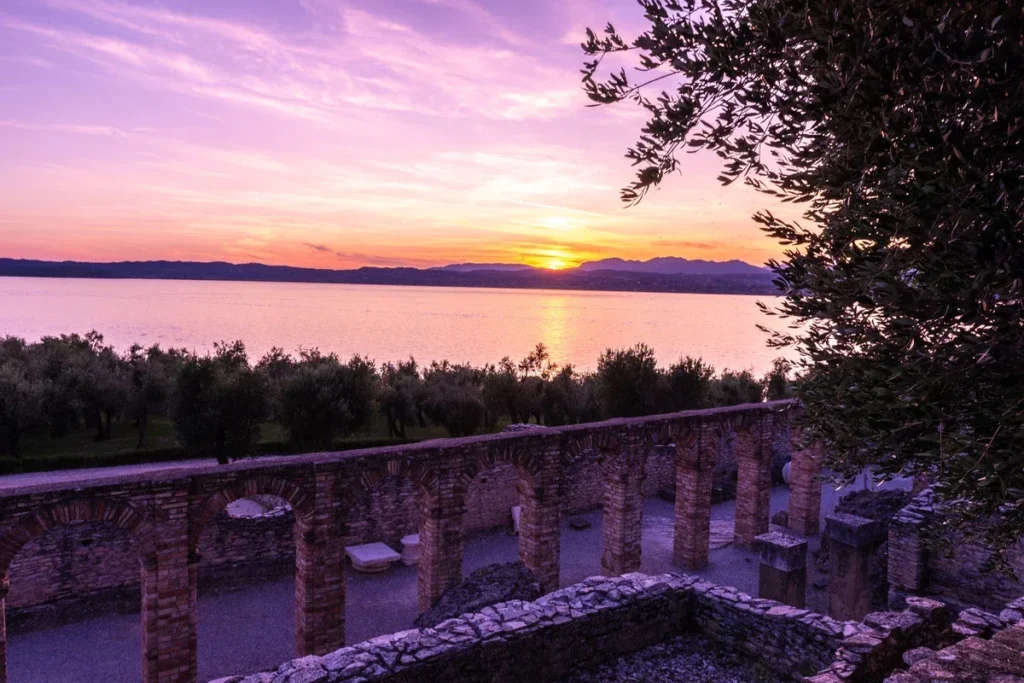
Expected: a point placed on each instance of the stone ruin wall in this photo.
(604, 618)
(954, 574)
(85, 567)
(961, 575)
(172, 514)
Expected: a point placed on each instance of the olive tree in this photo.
(627, 381)
(898, 126)
(323, 398)
(219, 404)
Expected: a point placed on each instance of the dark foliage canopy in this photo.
(899, 126)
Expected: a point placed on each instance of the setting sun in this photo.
(555, 264)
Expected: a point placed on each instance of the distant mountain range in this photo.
(666, 274)
(662, 265)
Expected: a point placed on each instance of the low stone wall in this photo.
(955, 573)
(873, 648)
(787, 640)
(603, 618)
(989, 647)
(513, 641)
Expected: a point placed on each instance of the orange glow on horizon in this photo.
(380, 134)
(556, 264)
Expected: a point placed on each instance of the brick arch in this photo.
(392, 467)
(686, 437)
(604, 442)
(357, 492)
(73, 511)
(666, 433)
(573, 448)
(295, 494)
(496, 455)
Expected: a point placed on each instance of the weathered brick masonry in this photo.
(81, 568)
(162, 516)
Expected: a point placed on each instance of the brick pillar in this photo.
(907, 550)
(5, 585)
(783, 573)
(540, 523)
(852, 542)
(441, 510)
(695, 469)
(320, 571)
(754, 480)
(623, 509)
(169, 579)
(805, 491)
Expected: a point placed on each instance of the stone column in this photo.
(441, 510)
(754, 480)
(5, 585)
(695, 469)
(320, 571)
(783, 572)
(852, 542)
(169, 579)
(540, 523)
(805, 491)
(623, 508)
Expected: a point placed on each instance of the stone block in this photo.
(783, 572)
(782, 551)
(852, 530)
(371, 558)
(410, 550)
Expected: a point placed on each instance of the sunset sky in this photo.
(332, 133)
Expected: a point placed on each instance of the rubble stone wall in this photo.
(603, 618)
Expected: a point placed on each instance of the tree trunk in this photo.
(141, 424)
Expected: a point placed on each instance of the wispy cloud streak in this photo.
(328, 132)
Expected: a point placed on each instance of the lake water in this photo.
(391, 323)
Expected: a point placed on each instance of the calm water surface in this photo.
(390, 323)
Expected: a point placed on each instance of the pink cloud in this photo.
(134, 129)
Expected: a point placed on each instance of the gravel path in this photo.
(683, 659)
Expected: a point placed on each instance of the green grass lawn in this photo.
(80, 448)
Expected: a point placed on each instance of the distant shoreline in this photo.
(534, 279)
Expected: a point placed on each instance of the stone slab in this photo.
(371, 557)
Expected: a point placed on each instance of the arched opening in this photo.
(582, 501)
(72, 577)
(380, 509)
(246, 546)
(658, 526)
(493, 516)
